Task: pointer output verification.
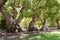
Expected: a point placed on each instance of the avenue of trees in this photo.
(33, 15)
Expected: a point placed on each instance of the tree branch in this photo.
(14, 13)
(20, 17)
(14, 10)
(21, 13)
(5, 15)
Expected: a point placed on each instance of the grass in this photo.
(45, 36)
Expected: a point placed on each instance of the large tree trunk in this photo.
(57, 21)
(45, 22)
(13, 23)
(2, 2)
(45, 26)
(31, 24)
(13, 27)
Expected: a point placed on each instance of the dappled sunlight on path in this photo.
(31, 35)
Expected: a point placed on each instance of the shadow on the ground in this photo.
(46, 36)
(43, 36)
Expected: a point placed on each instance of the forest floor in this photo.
(31, 35)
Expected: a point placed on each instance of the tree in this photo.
(51, 10)
(35, 12)
(10, 9)
(13, 22)
(31, 24)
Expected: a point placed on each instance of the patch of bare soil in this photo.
(17, 36)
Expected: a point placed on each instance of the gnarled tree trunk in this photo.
(13, 23)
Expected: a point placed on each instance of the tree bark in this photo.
(58, 25)
(45, 26)
(45, 22)
(13, 23)
(14, 13)
(31, 24)
(6, 16)
(2, 2)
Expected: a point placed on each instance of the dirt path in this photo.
(2, 38)
(18, 36)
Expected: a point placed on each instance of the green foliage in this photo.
(48, 8)
(52, 23)
(2, 23)
(51, 3)
(25, 22)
